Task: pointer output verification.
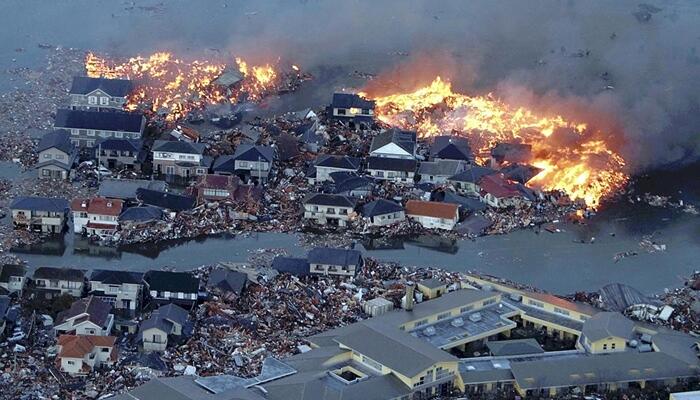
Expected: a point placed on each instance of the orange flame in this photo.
(585, 168)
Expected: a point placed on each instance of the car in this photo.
(16, 337)
(103, 171)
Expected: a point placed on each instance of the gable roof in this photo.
(406, 140)
(514, 152)
(582, 308)
(34, 203)
(450, 148)
(350, 100)
(142, 214)
(440, 167)
(66, 274)
(228, 280)
(432, 209)
(350, 183)
(334, 161)
(173, 312)
(9, 270)
(170, 201)
(116, 277)
(58, 139)
(97, 310)
(472, 174)
(333, 256)
(125, 189)
(224, 163)
(391, 164)
(380, 207)
(98, 205)
(499, 186)
(291, 265)
(249, 152)
(166, 281)
(132, 145)
(607, 324)
(178, 146)
(112, 87)
(514, 347)
(469, 203)
(105, 121)
(77, 346)
(323, 199)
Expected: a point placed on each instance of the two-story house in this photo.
(499, 192)
(356, 111)
(394, 143)
(467, 181)
(382, 212)
(53, 282)
(13, 278)
(215, 187)
(399, 170)
(87, 316)
(78, 355)
(99, 94)
(451, 148)
(327, 164)
(120, 154)
(123, 289)
(331, 261)
(40, 214)
(438, 171)
(86, 127)
(179, 160)
(57, 155)
(168, 320)
(432, 214)
(248, 161)
(175, 287)
(329, 209)
(96, 217)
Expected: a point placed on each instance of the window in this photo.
(82, 132)
(488, 302)
(243, 164)
(612, 346)
(330, 210)
(365, 111)
(605, 346)
(368, 361)
(104, 101)
(420, 323)
(341, 111)
(156, 338)
(119, 135)
(45, 172)
(70, 362)
(535, 303)
(47, 155)
(74, 132)
(465, 309)
(380, 174)
(90, 143)
(91, 133)
(92, 99)
(444, 315)
(59, 156)
(105, 349)
(561, 311)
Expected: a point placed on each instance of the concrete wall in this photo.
(154, 344)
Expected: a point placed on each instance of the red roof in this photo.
(95, 225)
(98, 205)
(498, 186)
(212, 181)
(432, 209)
(78, 346)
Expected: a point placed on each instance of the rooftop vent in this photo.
(457, 322)
(476, 317)
(429, 331)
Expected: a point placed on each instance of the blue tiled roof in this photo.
(59, 139)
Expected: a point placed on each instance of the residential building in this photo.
(179, 161)
(247, 162)
(215, 187)
(498, 192)
(118, 154)
(392, 169)
(311, 136)
(451, 148)
(122, 289)
(165, 200)
(433, 215)
(176, 287)
(351, 184)
(331, 261)
(86, 127)
(13, 278)
(329, 209)
(383, 212)
(141, 216)
(394, 143)
(227, 283)
(327, 164)
(439, 171)
(185, 134)
(53, 282)
(291, 265)
(185, 387)
(99, 94)
(521, 173)
(40, 214)
(168, 320)
(431, 288)
(467, 181)
(96, 217)
(87, 316)
(57, 156)
(125, 189)
(78, 355)
(352, 109)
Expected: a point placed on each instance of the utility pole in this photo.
(99, 161)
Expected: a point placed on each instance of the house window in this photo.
(104, 101)
(444, 315)
(105, 349)
(420, 323)
(243, 164)
(119, 135)
(92, 99)
(380, 174)
(365, 111)
(47, 155)
(341, 111)
(59, 156)
(45, 172)
(560, 311)
(91, 133)
(488, 302)
(535, 303)
(156, 338)
(612, 346)
(605, 346)
(330, 210)
(465, 309)
(70, 362)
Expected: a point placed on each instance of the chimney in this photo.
(408, 301)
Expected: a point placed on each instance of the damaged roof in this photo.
(472, 174)
(97, 311)
(249, 152)
(291, 265)
(334, 256)
(350, 100)
(142, 214)
(227, 280)
(432, 209)
(170, 201)
(380, 207)
(340, 162)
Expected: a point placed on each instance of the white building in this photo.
(78, 355)
(88, 316)
(329, 209)
(122, 289)
(54, 282)
(433, 215)
(96, 217)
(394, 143)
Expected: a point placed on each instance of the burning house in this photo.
(353, 109)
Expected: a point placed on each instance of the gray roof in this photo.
(116, 277)
(597, 369)
(334, 161)
(177, 146)
(450, 147)
(468, 203)
(391, 164)
(404, 139)
(606, 324)
(473, 174)
(142, 213)
(441, 167)
(40, 204)
(249, 152)
(174, 313)
(185, 388)
(291, 265)
(432, 283)
(59, 139)
(380, 207)
(311, 386)
(227, 280)
(155, 321)
(125, 189)
(350, 100)
(332, 256)
(113, 87)
(66, 274)
(619, 297)
(105, 121)
(514, 347)
(9, 270)
(323, 199)
(97, 310)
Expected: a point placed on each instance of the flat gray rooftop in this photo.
(546, 316)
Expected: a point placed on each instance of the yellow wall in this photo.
(453, 312)
(597, 346)
(429, 293)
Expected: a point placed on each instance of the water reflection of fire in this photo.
(173, 87)
(572, 157)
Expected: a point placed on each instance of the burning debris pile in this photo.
(571, 157)
(170, 87)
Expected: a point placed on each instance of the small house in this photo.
(350, 184)
(86, 127)
(499, 192)
(122, 289)
(179, 161)
(392, 169)
(168, 320)
(118, 154)
(185, 134)
(431, 288)
(331, 261)
(327, 164)
(87, 316)
(467, 181)
(176, 287)
(383, 212)
(227, 283)
(96, 217)
(165, 200)
(451, 148)
(125, 189)
(40, 214)
(57, 155)
(53, 282)
(140, 216)
(329, 209)
(606, 332)
(439, 171)
(13, 278)
(215, 187)
(78, 355)
(433, 215)
(352, 109)
(394, 143)
(100, 94)
(247, 162)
